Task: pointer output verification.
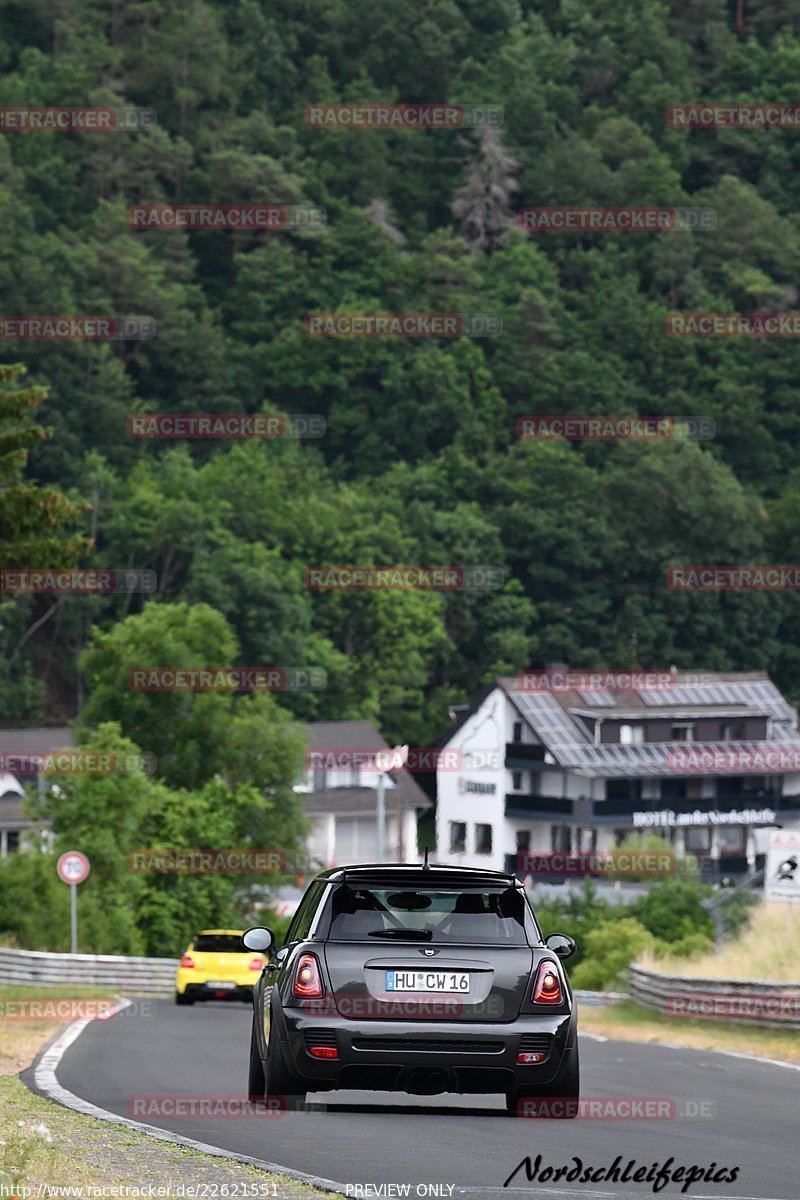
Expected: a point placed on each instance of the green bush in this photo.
(577, 914)
(610, 949)
(671, 910)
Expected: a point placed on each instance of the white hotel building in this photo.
(711, 763)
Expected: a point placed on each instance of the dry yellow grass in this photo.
(20, 1039)
(769, 949)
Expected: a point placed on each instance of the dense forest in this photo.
(421, 461)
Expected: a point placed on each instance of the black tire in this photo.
(565, 1089)
(279, 1080)
(183, 998)
(256, 1083)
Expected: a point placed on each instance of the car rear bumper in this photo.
(202, 991)
(391, 1055)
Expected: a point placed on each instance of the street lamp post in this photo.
(385, 760)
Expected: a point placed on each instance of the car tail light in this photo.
(256, 964)
(323, 1051)
(526, 1058)
(547, 988)
(187, 961)
(307, 982)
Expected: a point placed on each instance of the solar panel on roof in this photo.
(598, 699)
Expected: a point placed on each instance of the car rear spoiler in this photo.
(421, 877)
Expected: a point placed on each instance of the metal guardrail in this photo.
(153, 976)
(599, 999)
(749, 1002)
(765, 1002)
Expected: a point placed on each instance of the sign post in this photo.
(385, 760)
(782, 867)
(72, 868)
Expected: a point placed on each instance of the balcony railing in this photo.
(525, 757)
(540, 808)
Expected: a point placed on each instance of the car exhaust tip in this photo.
(421, 1082)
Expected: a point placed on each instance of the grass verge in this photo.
(43, 1145)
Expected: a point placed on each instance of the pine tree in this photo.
(483, 202)
(31, 517)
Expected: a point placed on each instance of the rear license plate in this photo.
(220, 985)
(427, 981)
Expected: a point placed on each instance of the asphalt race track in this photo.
(749, 1114)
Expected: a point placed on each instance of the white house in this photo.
(21, 751)
(340, 797)
(712, 763)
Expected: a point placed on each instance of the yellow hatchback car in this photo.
(216, 966)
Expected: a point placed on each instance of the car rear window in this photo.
(383, 915)
(218, 943)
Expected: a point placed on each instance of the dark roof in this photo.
(358, 735)
(35, 741)
(344, 735)
(552, 714)
(11, 814)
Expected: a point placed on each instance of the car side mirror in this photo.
(561, 945)
(258, 938)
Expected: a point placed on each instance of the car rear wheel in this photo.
(256, 1084)
(278, 1079)
(564, 1093)
(183, 998)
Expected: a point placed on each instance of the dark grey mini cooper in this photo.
(423, 979)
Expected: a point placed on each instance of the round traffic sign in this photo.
(73, 867)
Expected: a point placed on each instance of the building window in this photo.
(458, 837)
(631, 735)
(623, 789)
(673, 789)
(561, 838)
(682, 733)
(483, 839)
(731, 839)
(12, 840)
(733, 733)
(523, 841)
(698, 840)
(517, 734)
(516, 781)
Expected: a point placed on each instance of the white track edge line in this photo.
(753, 1058)
(46, 1079)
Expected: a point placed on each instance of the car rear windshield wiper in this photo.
(411, 935)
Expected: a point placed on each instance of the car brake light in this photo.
(526, 1057)
(547, 989)
(323, 1051)
(307, 982)
(256, 964)
(187, 961)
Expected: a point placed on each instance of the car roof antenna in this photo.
(425, 864)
